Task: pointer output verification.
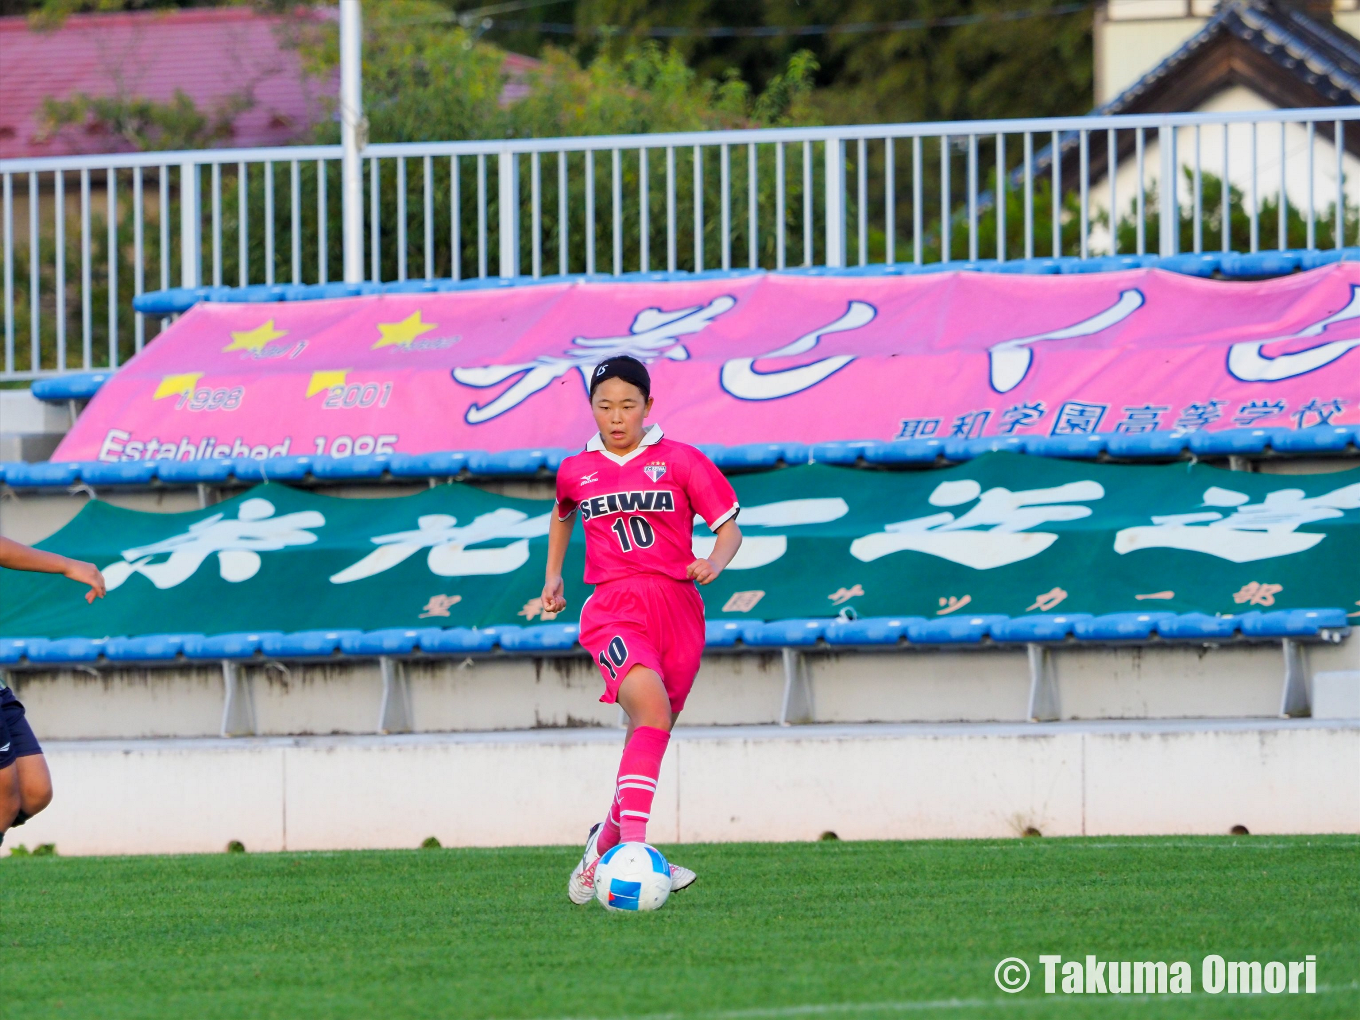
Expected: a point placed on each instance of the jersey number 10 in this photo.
(640, 530)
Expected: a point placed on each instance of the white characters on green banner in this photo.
(760, 550)
(1252, 531)
(993, 533)
(237, 542)
(449, 555)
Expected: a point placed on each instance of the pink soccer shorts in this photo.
(645, 620)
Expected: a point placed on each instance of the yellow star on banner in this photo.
(400, 334)
(322, 381)
(255, 339)
(177, 385)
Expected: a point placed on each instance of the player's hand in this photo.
(87, 573)
(702, 570)
(552, 600)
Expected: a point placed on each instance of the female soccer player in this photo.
(638, 494)
(25, 783)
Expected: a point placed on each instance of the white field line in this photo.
(931, 1005)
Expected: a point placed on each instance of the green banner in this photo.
(1002, 534)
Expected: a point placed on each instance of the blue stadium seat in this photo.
(76, 386)
(71, 649)
(1145, 444)
(1029, 267)
(848, 452)
(1293, 622)
(192, 472)
(303, 643)
(961, 630)
(1119, 626)
(426, 465)
(1317, 439)
(906, 451)
(322, 291)
(795, 453)
(226, 646)
(277, 469)
(411, 287)
(1106, 263)
(1083, 445)
(504, 463)
(1312, 258)
(1037, 628)
(457, 641)
(1261, 263)
(1204, 263)
(553, 456)
(1197, 627)
(389, 641)
(967, 449)
(784, 633)
(257, 292)
(43, 475)
(1231, 441)
(172, 301)
(871, 630)
(751, 456)
(152, 648)
(717, 633)
(365, 466)
(12, 650)
(546, 637)
(131, 472)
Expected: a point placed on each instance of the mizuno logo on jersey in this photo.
(655, 501)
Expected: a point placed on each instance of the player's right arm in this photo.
(17, 556)
(559, 534)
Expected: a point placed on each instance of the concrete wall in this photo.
(717, 784)
(504, 693)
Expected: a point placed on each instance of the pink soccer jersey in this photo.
(638, 510)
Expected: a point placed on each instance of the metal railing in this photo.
(101, 229)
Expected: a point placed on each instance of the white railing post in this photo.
(1169, 212)
(835, 202)
(190, 226)
(508, 200)
(353, 132)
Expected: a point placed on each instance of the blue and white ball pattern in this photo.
(632, 876)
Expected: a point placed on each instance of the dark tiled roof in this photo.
(1318, 54)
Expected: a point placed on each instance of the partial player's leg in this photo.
(9, 795)
(25, 782)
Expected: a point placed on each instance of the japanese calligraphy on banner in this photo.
(1004, 534)
(758, 358)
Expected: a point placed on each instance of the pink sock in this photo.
(638, 771)
(609, 833)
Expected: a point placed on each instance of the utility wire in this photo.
(774, 31)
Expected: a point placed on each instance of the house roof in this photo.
(212, 54)
(1270, 46)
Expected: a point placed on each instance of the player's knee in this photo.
(36, 797)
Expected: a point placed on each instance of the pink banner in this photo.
(749, 359)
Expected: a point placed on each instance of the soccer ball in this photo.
(632, 876)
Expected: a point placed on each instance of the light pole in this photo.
(353, 136)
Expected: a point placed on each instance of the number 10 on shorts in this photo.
(616, 654)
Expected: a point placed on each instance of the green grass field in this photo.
(860, 929)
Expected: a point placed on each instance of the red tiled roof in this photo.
(211, 54)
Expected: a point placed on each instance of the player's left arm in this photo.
(728, 542)
(17, 556)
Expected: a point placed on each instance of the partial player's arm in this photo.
(18, 556)
(726, 546)
(559, 534)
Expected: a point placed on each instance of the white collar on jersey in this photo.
(650, 437)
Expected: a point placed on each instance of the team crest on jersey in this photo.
(654, 471)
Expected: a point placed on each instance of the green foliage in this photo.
(144, 123)
(844, 927)
(41, 850)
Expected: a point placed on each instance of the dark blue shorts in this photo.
(16, 736)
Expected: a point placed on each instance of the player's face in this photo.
(619, 410)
